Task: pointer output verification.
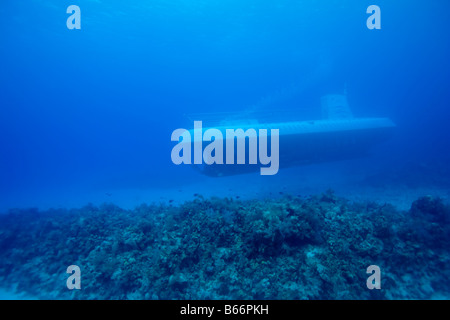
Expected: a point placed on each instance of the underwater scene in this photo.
(224, 150)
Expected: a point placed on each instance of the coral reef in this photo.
(316, 247)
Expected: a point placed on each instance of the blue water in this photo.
(86, 115)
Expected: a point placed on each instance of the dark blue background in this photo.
(95, 107)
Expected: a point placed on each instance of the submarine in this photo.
(338, 135)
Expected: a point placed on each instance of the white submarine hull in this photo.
(338, 135)
(308, 142)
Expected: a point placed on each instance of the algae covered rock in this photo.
(316, 247)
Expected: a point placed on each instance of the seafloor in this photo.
(293, 247)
